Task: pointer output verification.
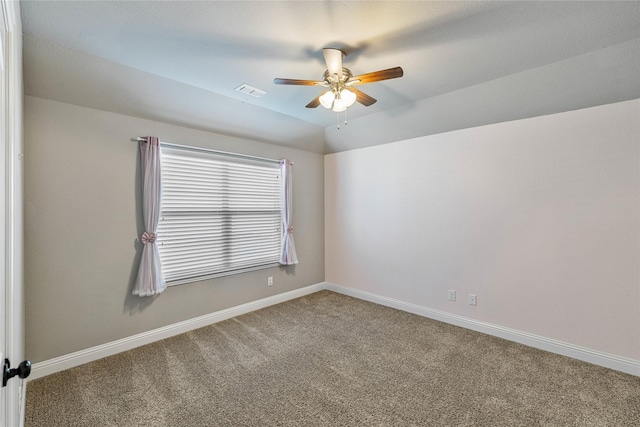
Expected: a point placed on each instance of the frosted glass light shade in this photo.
(327, 99)
(348, 97)
(338, 105)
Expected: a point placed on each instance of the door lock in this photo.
(22, 371)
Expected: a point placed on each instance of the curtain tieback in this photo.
(148, 237)
(290, 229)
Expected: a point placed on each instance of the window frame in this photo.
(268, 211)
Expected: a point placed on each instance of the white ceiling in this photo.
(465, 63)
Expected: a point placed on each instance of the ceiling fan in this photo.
(340, 82)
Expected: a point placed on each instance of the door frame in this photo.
(11, 237)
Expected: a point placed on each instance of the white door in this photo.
(11, 235)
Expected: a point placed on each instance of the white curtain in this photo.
(288, 255)
(150, 281)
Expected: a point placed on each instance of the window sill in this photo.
(221, 274)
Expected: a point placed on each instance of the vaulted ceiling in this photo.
(465, 63)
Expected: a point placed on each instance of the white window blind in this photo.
(219, 215)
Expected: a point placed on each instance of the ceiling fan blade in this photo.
(316, 101)
(333, 58)
(376, 76)
(298, 82)
(362, 97)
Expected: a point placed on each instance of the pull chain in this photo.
(338, 118)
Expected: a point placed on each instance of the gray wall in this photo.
(82, 222)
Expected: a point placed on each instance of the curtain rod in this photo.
(207, 150)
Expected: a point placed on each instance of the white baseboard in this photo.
(607, 360)
(47, 367)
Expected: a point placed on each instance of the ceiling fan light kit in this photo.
(339, 81)
(338, 97)
(338, 101)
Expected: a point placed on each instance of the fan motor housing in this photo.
(346, 75)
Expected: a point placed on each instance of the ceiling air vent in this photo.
(250, 90)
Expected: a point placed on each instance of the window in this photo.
(220, 215)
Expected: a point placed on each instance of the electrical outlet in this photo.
(472, 299)
(452, 295)
(270, 281)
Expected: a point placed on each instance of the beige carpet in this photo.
(330, 360)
